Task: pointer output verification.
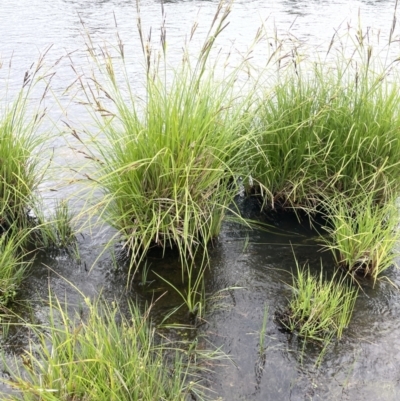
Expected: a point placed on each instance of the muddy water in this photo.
(365, 365)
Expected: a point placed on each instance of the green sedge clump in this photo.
(319, 309)
(105, 356)
(362, 234)
(326, 127)
(166, 164)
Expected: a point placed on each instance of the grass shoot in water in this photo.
(319, 309)
(105, 355)
(13, 264)
(362, 234)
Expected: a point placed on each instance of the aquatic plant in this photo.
(13, 265)
(261, 342)
(193, 295)
(21, 171)
(166, 163)
(362, 234)
(319, 308)
(329, 126)
(105, 355)
(61, 224)
(20, 163)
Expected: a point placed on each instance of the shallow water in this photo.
(365, 365)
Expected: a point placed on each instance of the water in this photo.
(365, 365)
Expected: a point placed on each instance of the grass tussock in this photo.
(327, 127)
(319, 308)
(167, 164)
(21, 169)
(105, 356)
(61, 225)
(166, 179)
(363, 235)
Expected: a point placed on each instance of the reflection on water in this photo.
(366, 364)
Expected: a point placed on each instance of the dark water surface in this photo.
(365, 365)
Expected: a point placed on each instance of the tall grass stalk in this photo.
(106, 356)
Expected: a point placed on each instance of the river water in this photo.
(365, 364)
